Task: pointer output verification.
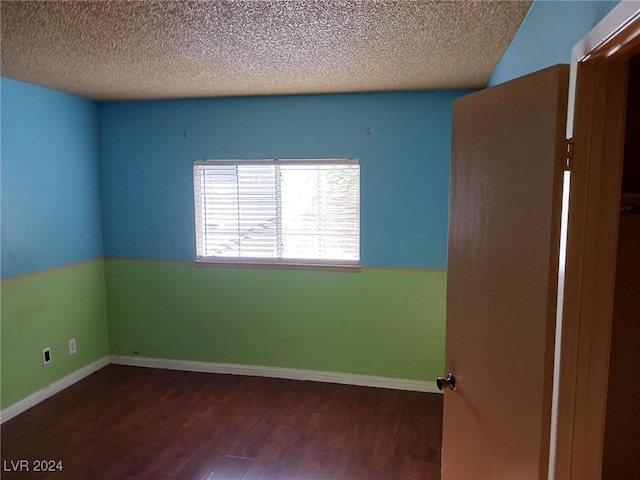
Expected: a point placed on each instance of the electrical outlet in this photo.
(46, 355)
(72, 346)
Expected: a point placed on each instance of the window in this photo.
(283, 212)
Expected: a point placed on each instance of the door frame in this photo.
(596, 119)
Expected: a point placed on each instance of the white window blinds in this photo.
(287, 211)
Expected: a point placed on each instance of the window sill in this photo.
(291, 265)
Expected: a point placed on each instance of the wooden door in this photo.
(508, 151)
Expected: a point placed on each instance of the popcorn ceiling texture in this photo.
(109, 50)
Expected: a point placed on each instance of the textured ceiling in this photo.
(169, 49)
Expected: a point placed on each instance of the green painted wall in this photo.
(46, 309)
(383, 322)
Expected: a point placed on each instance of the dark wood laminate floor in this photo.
(127, 422)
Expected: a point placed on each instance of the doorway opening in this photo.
(597, 122)
(622, 420)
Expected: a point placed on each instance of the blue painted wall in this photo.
(50, 187)
(147, 151)
(51, 218)
(547, 35)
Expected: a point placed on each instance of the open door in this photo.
(508, 157)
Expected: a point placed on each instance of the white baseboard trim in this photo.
(50, 390)
(275, 372)
(209, 367)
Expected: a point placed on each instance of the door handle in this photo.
(449, 381)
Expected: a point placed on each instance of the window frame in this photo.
(278, 263)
